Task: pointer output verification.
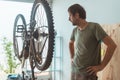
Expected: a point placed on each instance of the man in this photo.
(85, 46)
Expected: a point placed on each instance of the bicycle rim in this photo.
(42, 26)
(18, 34)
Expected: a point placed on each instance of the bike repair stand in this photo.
(32, 76)
(32, 69)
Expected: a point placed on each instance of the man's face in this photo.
(73, 19)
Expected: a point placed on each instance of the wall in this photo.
(112, 70)
(101, 11)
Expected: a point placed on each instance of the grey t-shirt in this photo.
(87, 45)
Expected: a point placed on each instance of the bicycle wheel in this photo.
(43, 31)
(19, 32)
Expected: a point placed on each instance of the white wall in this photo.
(101, 11)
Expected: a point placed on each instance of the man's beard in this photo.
(73, 24)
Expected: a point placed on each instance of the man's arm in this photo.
(71, 49)
(111, 46)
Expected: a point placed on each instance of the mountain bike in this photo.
(35, 41)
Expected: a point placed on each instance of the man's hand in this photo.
(92, 70)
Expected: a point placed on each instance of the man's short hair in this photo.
(76, 8)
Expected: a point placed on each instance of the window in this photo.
(56, 66)
(54, 72)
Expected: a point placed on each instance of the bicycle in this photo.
(35, 42)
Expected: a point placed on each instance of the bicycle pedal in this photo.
(20, 28)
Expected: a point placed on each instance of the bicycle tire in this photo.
(51, 34)
(18, 33)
